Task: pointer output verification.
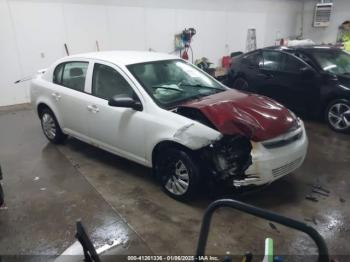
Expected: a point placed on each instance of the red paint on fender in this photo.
(233, 112)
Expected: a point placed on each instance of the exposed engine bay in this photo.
(226, 159)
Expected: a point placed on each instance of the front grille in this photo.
(284, 141)
(286, 169)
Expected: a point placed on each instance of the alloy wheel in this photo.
(49, 126)
(178, 179)
(339, 116)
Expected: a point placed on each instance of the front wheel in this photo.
(338, 115)
(240, 84)
(51, 128)
(178, 174)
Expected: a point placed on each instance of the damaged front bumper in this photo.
(275, 158)
(235, 161)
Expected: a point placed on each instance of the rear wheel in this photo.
(241, 84)
(51, 127)
(338, 115)
(178, 173)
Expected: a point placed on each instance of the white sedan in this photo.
(163, 112)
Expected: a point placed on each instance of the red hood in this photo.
(233, 112)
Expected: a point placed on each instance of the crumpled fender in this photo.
(194, 136)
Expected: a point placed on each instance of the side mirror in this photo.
(127, 102)
(307, 72)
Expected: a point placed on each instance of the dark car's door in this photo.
(245, 71)
(253, 61)
(288, 80)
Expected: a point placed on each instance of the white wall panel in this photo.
(279, 26)
(239, 23)
(127, 28)
(10, 69)
(41, 36)
(212, 35)
(32, 32)
(282, 21)
(84, 25)
(160, 28)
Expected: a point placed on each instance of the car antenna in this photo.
(30, 77)
(66, 48)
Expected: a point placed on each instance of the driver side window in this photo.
(107, 82)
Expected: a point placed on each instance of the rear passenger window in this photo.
(71, 75)
(272, 60)
(255, 59)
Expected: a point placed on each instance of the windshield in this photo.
(333, 61)
(171, 82)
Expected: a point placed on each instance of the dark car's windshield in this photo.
(171, 82)
(333, 61)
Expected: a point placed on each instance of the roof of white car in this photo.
(126, 57)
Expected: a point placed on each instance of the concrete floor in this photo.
(78, 180)
(44, 196)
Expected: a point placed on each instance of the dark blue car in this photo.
(310, 80)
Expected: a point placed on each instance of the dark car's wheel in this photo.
(51, 127)
(241, 84)
(178, 173)
(338, 115)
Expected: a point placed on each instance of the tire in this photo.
(240, 83)
(51, 128)
(1, 196)
(178, 174)
(337, 115)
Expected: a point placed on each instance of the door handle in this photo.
(93, 108)
(56, 96)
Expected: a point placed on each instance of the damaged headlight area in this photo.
(229, 157)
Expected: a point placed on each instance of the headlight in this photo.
(292, 113)
(297, 122)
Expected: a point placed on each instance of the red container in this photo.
(226, 61)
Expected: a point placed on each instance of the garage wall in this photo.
(32, 32)
(341, 13)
